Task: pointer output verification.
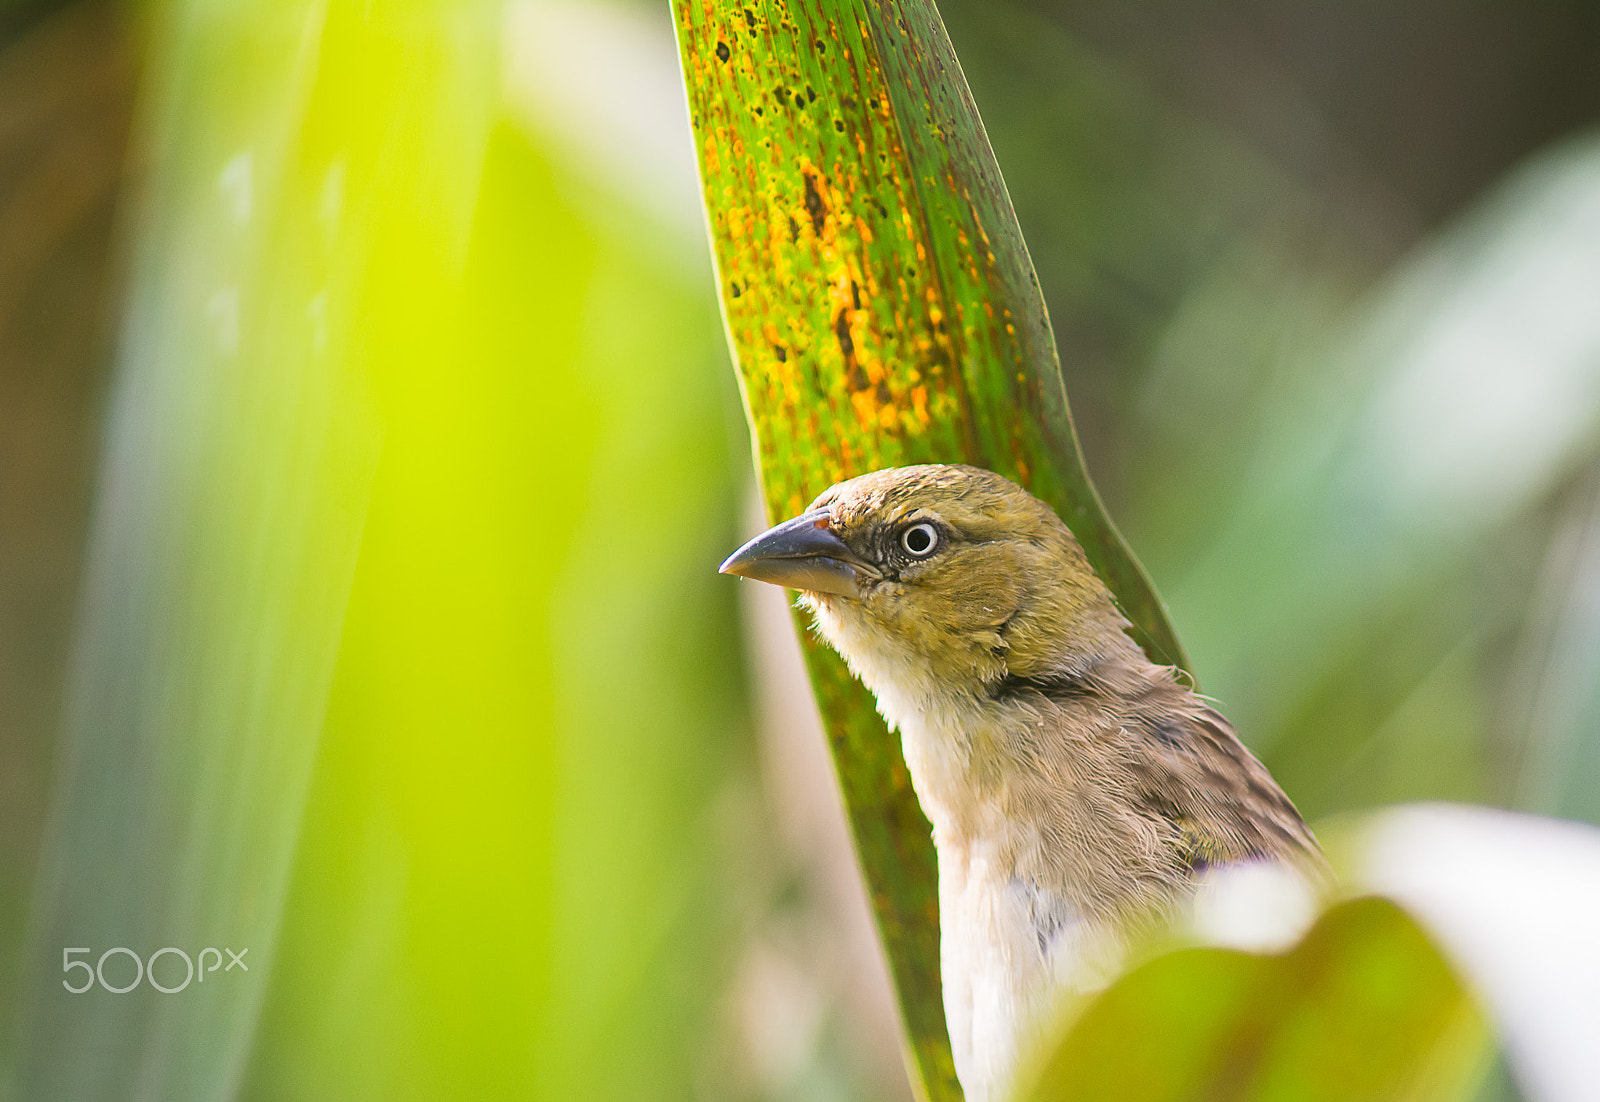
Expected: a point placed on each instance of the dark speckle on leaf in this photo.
(722, 51)
(814, 203)
(750, 19)
(781, 352)
(841, 330)
(838, 124)
(735, 290)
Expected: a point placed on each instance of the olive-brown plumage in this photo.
(1077, 791)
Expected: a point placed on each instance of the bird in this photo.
(1080, 795)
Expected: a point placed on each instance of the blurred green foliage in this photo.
(1240, 308)
(1364, 1009)
(511, 846)
(400, 666)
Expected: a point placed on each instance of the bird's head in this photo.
(940, 577)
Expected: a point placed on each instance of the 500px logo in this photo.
(146, 969)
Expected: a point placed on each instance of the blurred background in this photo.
(368, 442)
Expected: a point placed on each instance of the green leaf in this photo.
(278, 255)
(883, 310)
(1364, 1009)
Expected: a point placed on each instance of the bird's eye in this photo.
(920, 540)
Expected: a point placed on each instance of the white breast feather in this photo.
(1002, 987)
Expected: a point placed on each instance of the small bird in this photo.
(1080, 795)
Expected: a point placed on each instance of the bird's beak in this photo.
(803, 553)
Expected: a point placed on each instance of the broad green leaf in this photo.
(399, 668)
(1364, 1009)
(883, 310)
(278, 256)
(509, 885)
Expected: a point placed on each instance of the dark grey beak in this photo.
(803, 554)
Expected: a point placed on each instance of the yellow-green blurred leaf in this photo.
(1364, 1009)
(278, 259)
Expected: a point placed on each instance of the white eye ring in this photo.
(920, 540)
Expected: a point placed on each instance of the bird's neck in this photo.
(960, 738)
(953, 704)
